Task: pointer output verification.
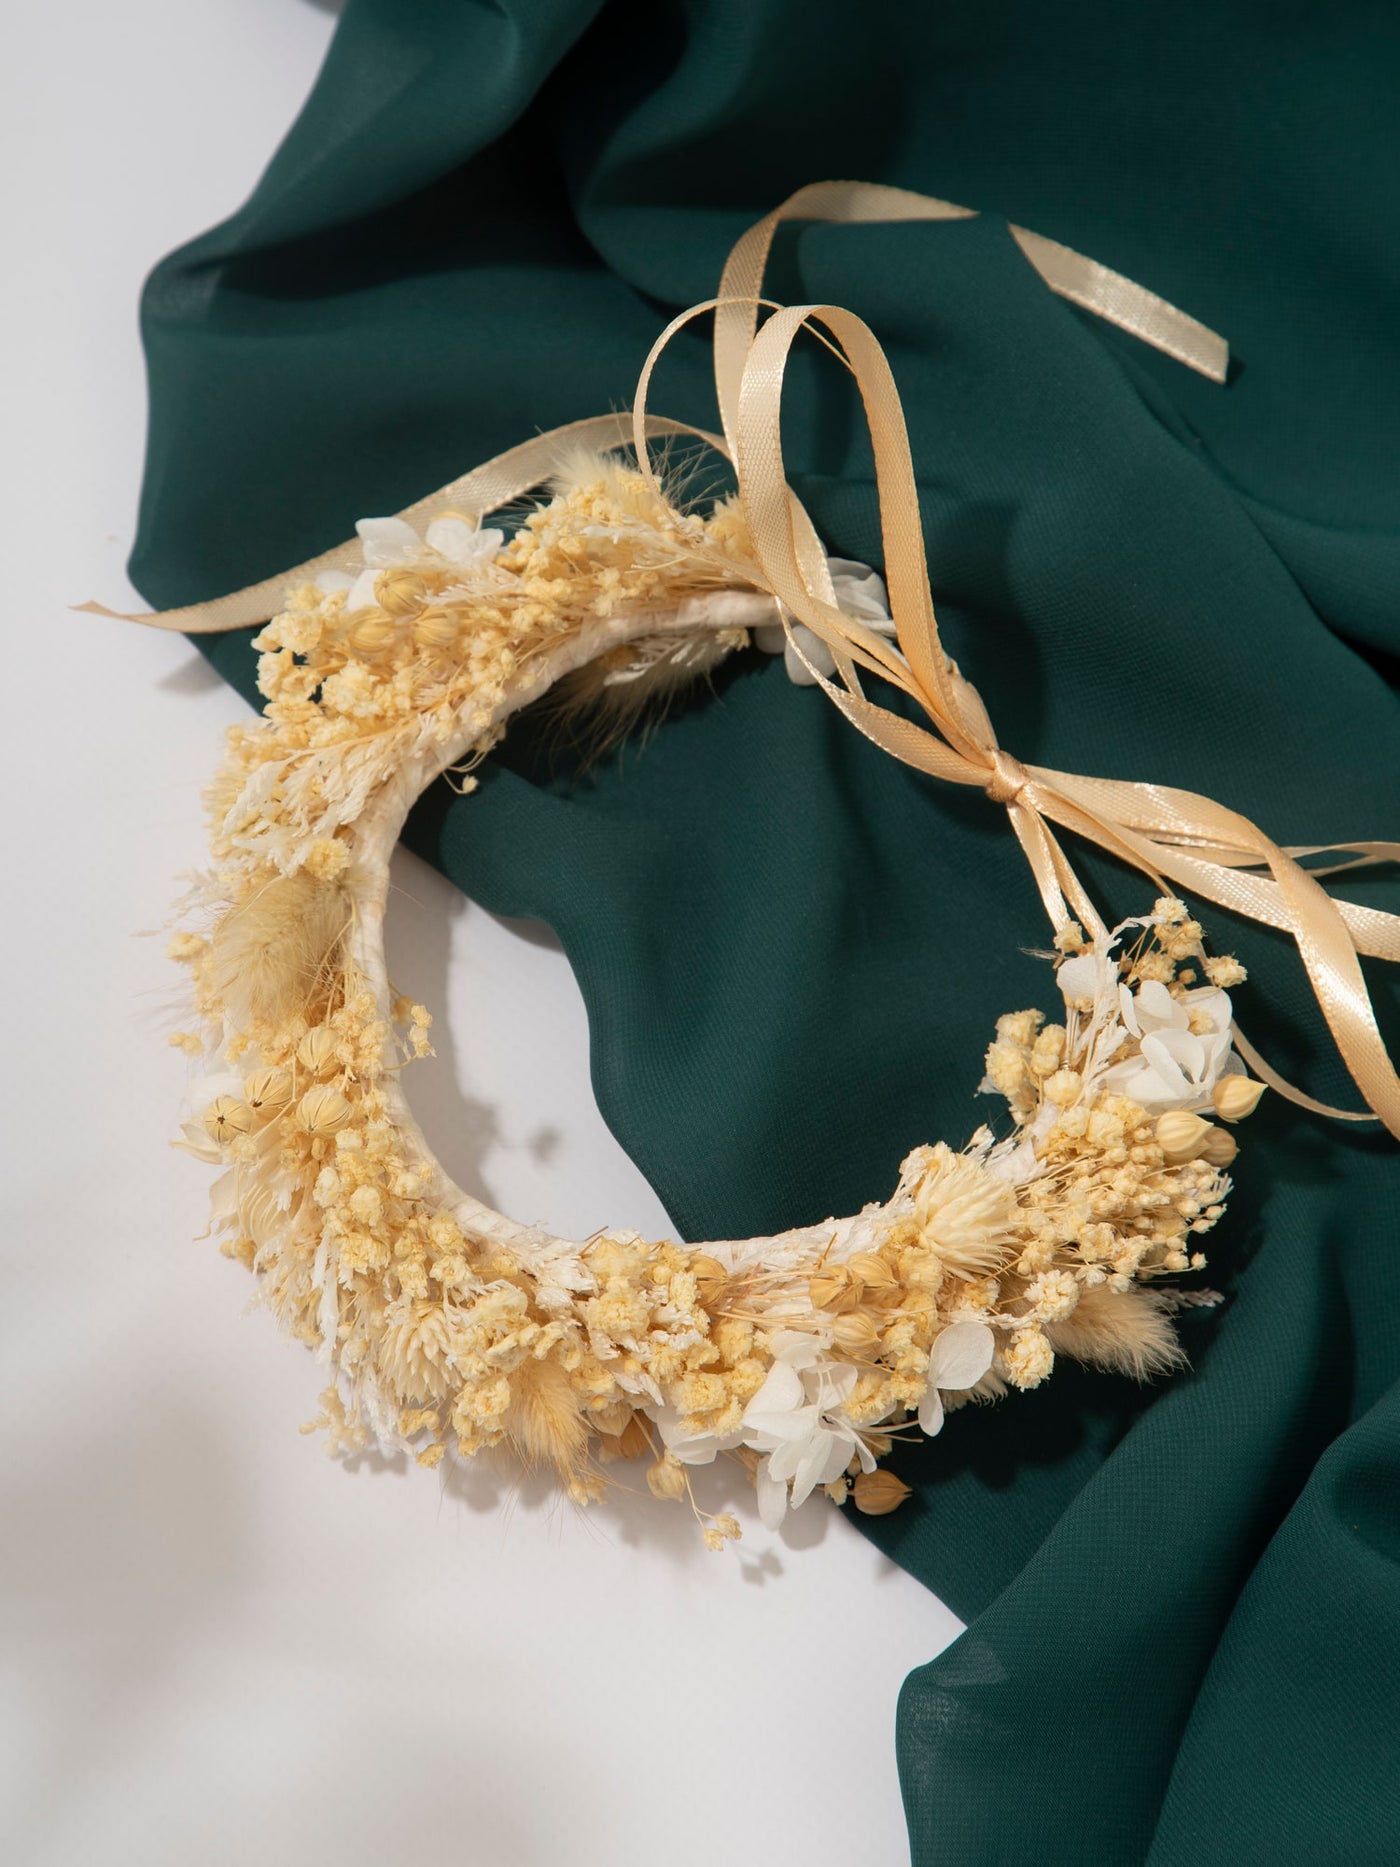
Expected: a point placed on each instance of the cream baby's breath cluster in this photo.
(446, 1327)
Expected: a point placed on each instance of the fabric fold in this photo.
(1184, 1606)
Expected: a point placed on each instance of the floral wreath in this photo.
(399, 657)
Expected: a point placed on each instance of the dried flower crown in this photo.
(447, 1325)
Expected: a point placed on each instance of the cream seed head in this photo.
(832, 1290)
(227, 1117)
(876, 1494)
(370, 634)
(710, 1277)
(399, 591)
(317, 1050)
(436, 628)
(633, 1440)
(666, 1479)
(1236, 1096)
(855, 1331)
(267, 1092)
(322, 1110)
(1180, 1134)
(1219, 1148)
(871, 1270)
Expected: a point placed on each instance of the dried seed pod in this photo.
(633, 1440)
(436, 628)
(317, 1049)
(267, 1092)
(832, 1290)
(1236, 1096)
(1180, 1134)
(854, 1332)
(878, 1493)
(710, 1277)
(371, 633)
(666, 1479)
(227, 1116)
(871, 1270)
(322, 1110)
(399, 591)
(1219, 1148)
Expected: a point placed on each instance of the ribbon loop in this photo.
(1171, 836)
(1168, 835)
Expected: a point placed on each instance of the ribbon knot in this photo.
(1007, 778)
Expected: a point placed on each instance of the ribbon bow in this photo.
(1173, 836)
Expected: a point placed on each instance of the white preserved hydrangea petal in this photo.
(361, 593)
(772, 1498)
(461, 543)
(689, 1448)
(825, 1456)
(860, 592)
(961, 1355)
(1175, 1069)
(387, 541)
(795, 1419)
(788, 1459)
(1092, 976)
(781, 1392)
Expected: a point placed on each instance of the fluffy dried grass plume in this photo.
(583, 470)
(544, 1423)
(1125, 1331)
(272, 949)
(633, 687)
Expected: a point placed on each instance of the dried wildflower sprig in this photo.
(446, 1325)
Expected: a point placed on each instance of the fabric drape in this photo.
(1184, 1602)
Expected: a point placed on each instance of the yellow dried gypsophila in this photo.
(453, 1337)
(437, 656)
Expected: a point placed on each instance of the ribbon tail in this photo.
(497, 482)
(1296, 902)
(1060, 888)
(1290, 1091)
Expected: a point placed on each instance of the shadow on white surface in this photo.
(192, 676)
(218, 1647)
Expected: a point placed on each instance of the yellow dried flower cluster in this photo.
(355, 694)
(449, 1328)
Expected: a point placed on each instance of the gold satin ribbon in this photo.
(1170, 835)
(497, 482)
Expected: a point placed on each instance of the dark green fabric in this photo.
(1185, 1603)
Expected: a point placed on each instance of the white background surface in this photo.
(217, 1646)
